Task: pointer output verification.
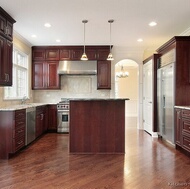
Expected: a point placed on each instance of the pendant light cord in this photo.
(84, 37)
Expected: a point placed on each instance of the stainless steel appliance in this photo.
(30, 125)
(63, 116)
(165, 98)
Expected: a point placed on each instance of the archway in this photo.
(128, 87)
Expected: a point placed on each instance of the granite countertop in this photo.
(183, 107)
(21, 106)
(94, 99)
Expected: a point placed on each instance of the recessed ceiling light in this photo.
(152, 24)
(33, 36)
(47, 25)
(139, 40)
(58, 40)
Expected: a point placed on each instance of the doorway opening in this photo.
(127, 87)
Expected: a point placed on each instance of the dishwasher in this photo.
(30, 125)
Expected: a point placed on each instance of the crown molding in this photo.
(20, 37)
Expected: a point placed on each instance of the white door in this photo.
(147, 97)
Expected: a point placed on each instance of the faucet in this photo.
(23, 100)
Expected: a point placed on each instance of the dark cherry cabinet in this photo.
(6, 48)
(103, 75)
(45, 75)
(41, 120)
(76, 54)
(45, 60)
(65, 54)
(52, 54)
(12, 132)
(102, 54)
(182, 129)
(52, 117)
(38, 54)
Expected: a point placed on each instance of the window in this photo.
(19, 88)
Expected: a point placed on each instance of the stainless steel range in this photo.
(63, 116)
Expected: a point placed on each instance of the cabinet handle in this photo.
(7, 77)
(20, 142)
(20, 131)
(42, 116)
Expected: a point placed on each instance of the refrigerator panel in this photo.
(165, 96)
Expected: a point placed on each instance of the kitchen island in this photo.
(97, 126)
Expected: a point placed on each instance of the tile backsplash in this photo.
(72, 87)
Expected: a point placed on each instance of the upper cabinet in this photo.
(104, 75)
(45, 60)
(45, 63)
(6, 47)
(179, 49)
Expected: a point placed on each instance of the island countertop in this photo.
(96, 99)
(97, 126)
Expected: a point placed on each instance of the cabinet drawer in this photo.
(19, 123)
(18, 143)
(20, 114)
(186, 142)
(19, 132)
(186, 125)
(186, 113)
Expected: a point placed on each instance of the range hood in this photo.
(77, 67)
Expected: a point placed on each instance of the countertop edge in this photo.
(183, 107)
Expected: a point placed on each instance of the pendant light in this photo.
(110, 56)
(84, 56)
(122, 73)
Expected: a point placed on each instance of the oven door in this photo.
(63, 121)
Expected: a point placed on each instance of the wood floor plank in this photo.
(148, 163)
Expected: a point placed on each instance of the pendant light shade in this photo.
(110, 56)
(84, 56)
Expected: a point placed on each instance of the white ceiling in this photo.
(131, 21)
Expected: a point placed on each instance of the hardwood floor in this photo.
(148, 163)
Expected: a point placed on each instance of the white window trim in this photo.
(27, 78)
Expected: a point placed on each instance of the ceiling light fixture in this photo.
(110, 56)
(84, 56)
(140, 40)
(34, 36)
(58, 40)
(47, 25)
(152, 23)
(122, 73)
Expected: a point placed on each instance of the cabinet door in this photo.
(52, 54)
(65, 54)
(52, 115)
(9, 29)
(91, 54)
(178, 131)
(38, 79)
(38, 54)
(104, 75)
(2, 25)
(2, 61)
(76, 54)
(6, 62)
(102, 54)
(53, 78)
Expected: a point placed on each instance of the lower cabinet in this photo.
(41, 120)
(52, 118)
(12, 132)
(182, 129)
